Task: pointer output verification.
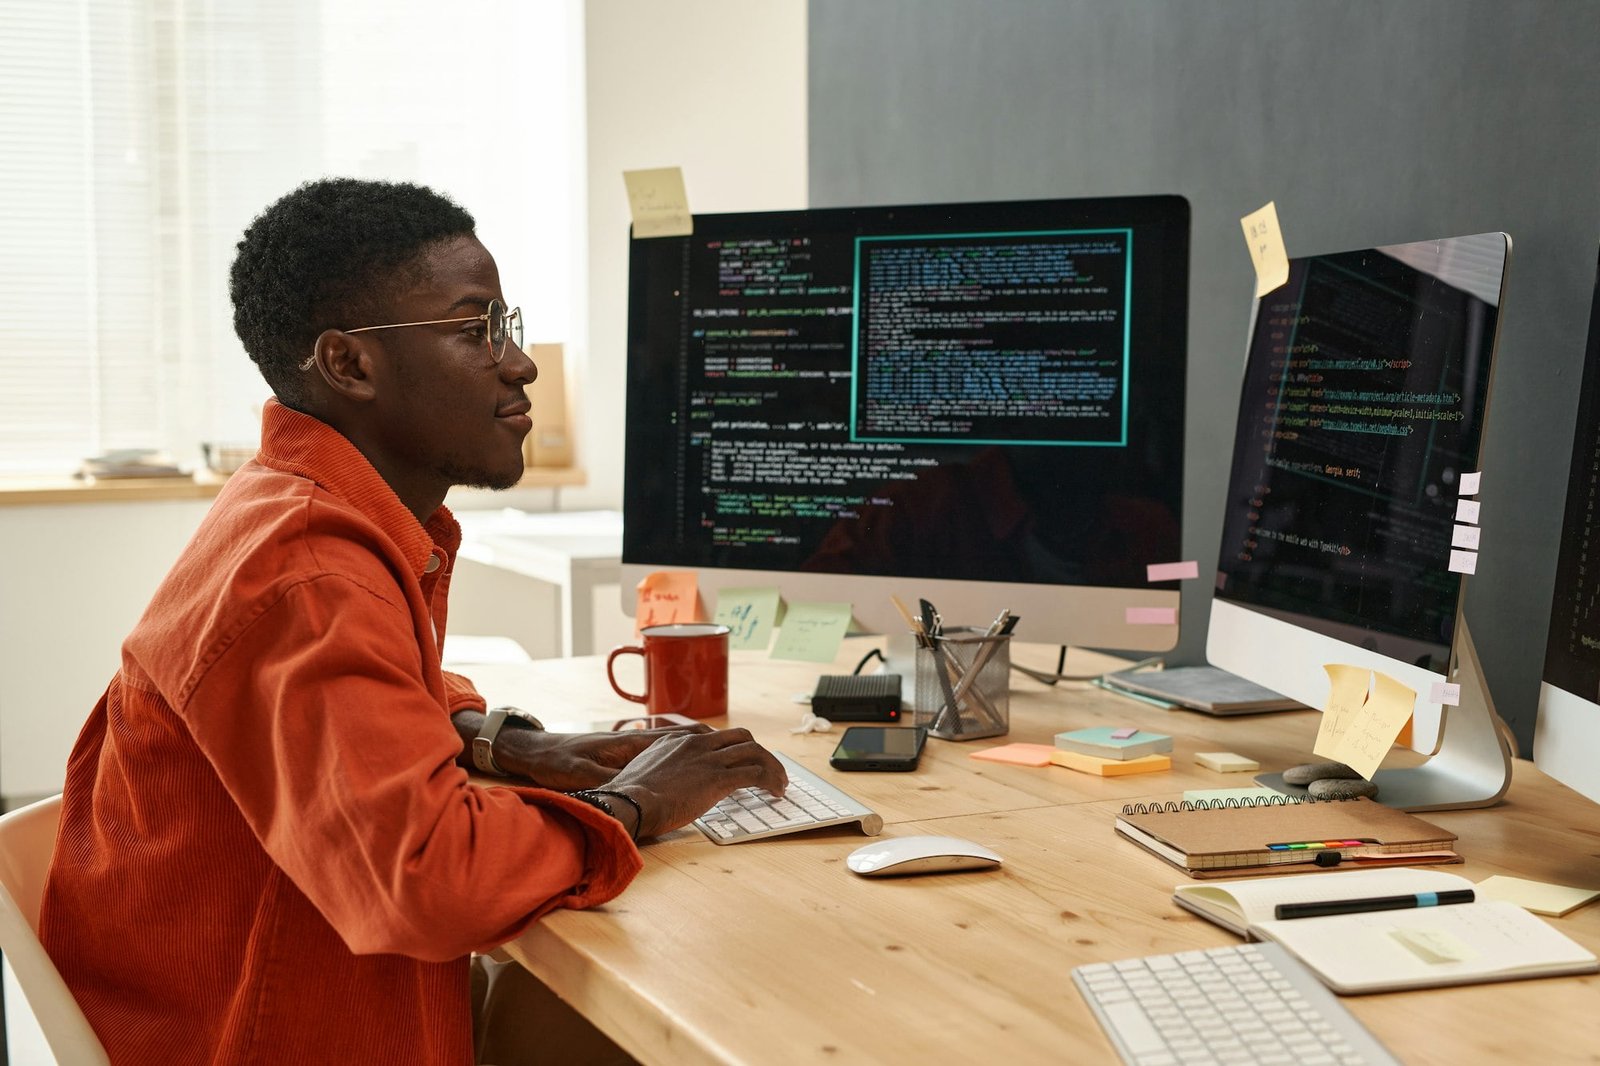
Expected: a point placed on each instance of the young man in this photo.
(269, 849)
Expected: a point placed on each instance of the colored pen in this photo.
(1371, 903)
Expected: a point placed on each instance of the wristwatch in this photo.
(483, 743)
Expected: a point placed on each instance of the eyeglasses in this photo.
(505, 327)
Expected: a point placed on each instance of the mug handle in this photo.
(629, 649)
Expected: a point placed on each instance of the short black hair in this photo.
(329, 252)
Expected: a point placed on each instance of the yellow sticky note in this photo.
(1347, 693)
(1265, 238)
(1536, 896)
(659, 204)
(1373, 731)
(811, 632)
(1093, 764)
(667, 596)
(1434, 946)
(750, 615)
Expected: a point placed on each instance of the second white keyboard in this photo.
(809, 803)
(1254, 1003)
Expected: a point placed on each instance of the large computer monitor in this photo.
(976, 404)
(1365, 393)
(1566, 736)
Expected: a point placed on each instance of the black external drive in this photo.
(857, 698)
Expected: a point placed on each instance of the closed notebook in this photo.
(1283, 835)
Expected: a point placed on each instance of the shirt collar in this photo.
(299, 444)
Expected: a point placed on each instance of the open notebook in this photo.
(1379, 951)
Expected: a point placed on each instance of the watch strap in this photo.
(483, 744)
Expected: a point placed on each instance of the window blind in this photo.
(139, 137)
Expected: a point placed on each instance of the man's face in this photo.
(447, 414)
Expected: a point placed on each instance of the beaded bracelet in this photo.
(596, 797)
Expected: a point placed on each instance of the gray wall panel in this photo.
(1368, 123)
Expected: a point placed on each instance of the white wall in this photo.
(717, 87)
(78, 577)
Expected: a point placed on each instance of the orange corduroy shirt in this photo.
(267, 852)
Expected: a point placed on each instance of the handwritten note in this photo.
(1465, 537)
(1375, 726)
(659, 203)
(1172, 571)
(1463, 562)
(1469, 484)
(811, 632)
(1347, 694)
(1265, 238)
(750, 615)
(667, 596)
(1467, 511)
(1445, 693)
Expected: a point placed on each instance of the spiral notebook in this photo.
(1283, 834)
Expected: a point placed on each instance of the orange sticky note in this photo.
(667, 596)
(1093, 764)
(1019, 754)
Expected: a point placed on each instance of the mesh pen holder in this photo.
(964, 685)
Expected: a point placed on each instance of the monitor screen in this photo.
(1363, 404)
(1566, 740)
(981, 399)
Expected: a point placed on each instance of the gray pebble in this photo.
(1331, 788)
(1318, 771)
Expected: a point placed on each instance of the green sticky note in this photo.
(750, 615)
(811, 632)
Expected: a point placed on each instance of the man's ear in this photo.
(346, 364)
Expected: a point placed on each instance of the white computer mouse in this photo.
(896, 856)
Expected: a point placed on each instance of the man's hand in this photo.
(567, 762)
(680, 777)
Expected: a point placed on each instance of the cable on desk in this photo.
(1053, 679)
(867, 658)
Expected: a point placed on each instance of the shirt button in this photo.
(432, 565)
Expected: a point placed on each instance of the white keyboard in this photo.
(1245, 1004)
(809, 803)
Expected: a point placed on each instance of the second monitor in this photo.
(979, 404)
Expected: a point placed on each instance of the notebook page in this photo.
(1429, 946)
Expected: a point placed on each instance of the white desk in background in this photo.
(573, 550)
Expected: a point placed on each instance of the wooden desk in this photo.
(773, 953)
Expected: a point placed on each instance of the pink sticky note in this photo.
(1124, 734)
(667, 596)
(1467, 511)
(1463, 562)
(1446, 693)
(1152, 616)
(1172, 571)
(1465, 537)
(1469, 484)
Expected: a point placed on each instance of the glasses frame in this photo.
(510, 322)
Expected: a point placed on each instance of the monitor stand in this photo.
(1470, 765)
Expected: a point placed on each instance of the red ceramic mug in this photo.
(685, 669)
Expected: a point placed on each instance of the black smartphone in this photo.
(869, 747)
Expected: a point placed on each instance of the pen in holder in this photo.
(963, 683)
